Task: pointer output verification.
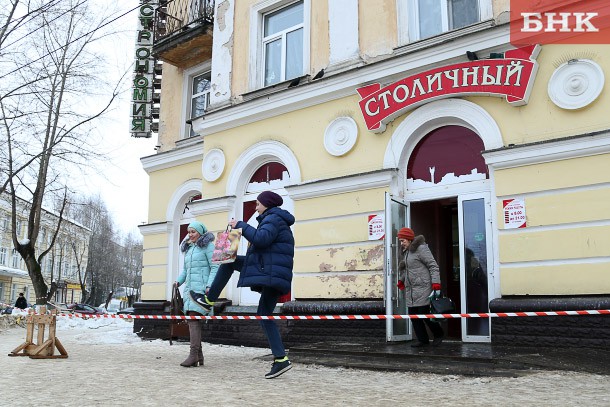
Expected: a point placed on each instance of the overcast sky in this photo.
(122, 183)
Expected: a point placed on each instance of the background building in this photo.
(59, 266)
(369, 115)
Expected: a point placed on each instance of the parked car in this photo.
(113, 307)
(128, 310)
(85, 309)
(60, 307)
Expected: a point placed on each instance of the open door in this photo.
(395, 218)
(475, 263)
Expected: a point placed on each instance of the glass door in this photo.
(395, 218)
(474, 219)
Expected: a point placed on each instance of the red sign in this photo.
(511, 76)
(559, 22)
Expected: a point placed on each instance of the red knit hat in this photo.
(406, 233)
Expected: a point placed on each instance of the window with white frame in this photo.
(3, 256)
(199, 96)
(15, 259)
(282, 43)
(428, 18)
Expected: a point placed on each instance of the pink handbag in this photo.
(226, 245)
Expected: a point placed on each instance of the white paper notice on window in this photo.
(514, 213)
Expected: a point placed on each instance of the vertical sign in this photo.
(142, 89)
(514, 213)
(376, 227)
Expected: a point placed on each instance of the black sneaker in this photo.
(278, 368)
(202, 300)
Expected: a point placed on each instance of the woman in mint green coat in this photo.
(197, 274)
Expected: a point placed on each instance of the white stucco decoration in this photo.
(576, 84)
(340, 136)
(213, 164)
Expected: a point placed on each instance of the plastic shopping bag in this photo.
(226, 245)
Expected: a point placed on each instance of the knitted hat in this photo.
(198, 226)
(269, 199)
(406, 233)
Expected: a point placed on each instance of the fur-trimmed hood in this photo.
(417, 241)
(202, 242)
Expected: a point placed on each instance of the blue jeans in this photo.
(266, 304)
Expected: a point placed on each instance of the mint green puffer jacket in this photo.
(198, 271)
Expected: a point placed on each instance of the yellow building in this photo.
(371, 115)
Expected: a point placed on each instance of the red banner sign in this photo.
(511, 76)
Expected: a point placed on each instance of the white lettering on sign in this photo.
(558, 22)
(511, 76)
(142, 89)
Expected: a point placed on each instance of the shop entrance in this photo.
(437, 221)
(456, 230)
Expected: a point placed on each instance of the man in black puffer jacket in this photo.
(266, 268)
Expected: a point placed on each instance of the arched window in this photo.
(447, 155)
(263, 179)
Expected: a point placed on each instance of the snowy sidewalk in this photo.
(108, 365)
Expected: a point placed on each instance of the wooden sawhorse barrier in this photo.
(41, 349)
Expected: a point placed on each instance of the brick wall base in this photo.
(250, 333)
(590, 331)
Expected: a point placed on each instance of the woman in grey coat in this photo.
(419, 276)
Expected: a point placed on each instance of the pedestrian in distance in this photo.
(197, 274)
(266, 268)
(21, 302)
(420, 279)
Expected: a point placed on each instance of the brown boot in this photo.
(194, 358)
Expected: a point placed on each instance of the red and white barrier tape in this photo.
(345, 317)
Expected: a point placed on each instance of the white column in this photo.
(343, 31)
(222, 53)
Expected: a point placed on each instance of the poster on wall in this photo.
(376, 227)
(514, 213)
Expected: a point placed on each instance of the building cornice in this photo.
(213, 205)
(155, 228)
(172, 158)
(553, 150)
(341, 185)
(344, 84)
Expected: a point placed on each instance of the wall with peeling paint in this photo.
(171, 106)
(564, 250)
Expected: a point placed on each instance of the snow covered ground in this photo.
(108, 365)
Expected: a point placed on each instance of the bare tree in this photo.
(103, 253)
(49, 116)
